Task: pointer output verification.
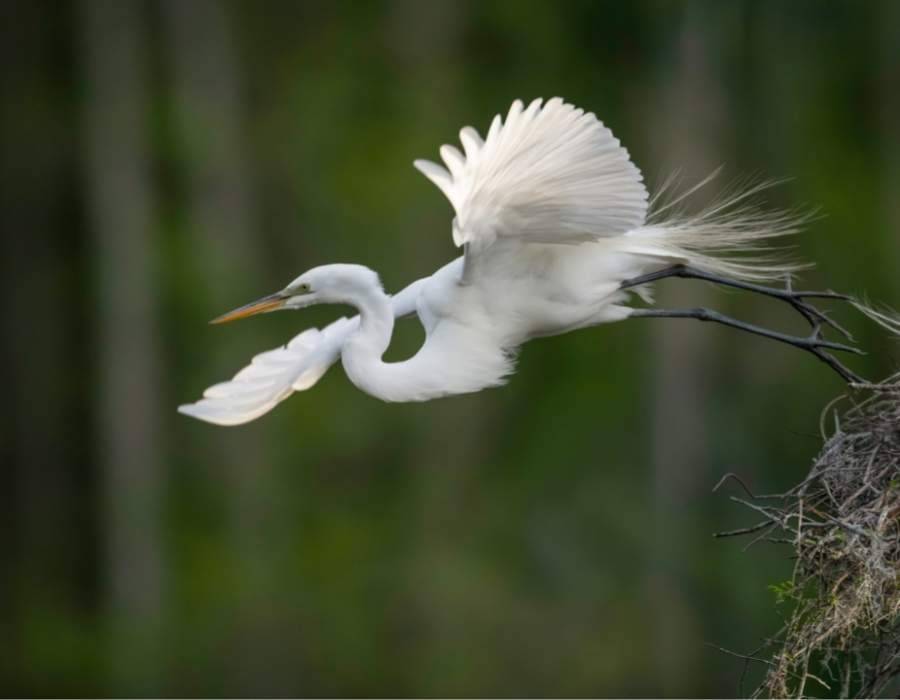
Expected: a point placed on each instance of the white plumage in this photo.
(553, 217)
(551, 175)
(273, 376)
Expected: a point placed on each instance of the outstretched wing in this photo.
(551, 174)
(274, 375)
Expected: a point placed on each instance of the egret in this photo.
(557, 232)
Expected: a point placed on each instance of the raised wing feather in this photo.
(551, 174)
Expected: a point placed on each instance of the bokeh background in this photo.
(164, 161)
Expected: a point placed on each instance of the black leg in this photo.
(814, 343)
(788, 295)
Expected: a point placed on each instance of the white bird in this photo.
(553, 219)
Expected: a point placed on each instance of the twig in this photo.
(732, 475)
(744, 530)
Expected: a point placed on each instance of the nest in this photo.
(841, 636)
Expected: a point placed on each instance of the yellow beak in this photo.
(269, 303)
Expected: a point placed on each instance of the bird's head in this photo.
(327, 284)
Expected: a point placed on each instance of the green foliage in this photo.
(783, 591)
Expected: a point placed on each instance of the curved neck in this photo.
(376, 320)
(361, 353)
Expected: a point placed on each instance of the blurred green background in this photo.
(165, 161)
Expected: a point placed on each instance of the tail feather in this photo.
(885, 317)
(730, 237)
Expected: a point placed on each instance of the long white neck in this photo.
(362, 351)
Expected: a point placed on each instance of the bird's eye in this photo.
(302, 288)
